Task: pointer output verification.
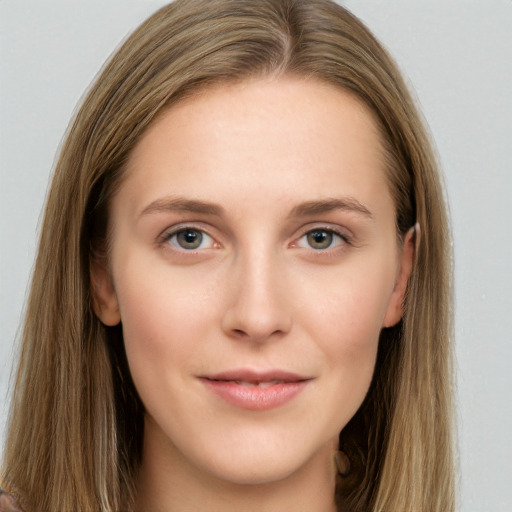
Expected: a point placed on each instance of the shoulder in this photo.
(8, 503)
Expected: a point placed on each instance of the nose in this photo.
(259, 302)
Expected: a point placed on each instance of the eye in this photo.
(321, 239)
(190, 239)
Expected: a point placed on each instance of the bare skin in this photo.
(253, 237)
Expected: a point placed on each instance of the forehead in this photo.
(272, 137)
(268, 103)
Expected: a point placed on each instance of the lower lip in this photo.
(255, 398)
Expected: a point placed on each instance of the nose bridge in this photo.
(259, 304)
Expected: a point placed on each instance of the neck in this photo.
(172, 484)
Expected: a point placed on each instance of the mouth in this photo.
(263, 384)
(256, 391)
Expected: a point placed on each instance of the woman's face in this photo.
(254, 263)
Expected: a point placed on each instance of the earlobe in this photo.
(104, 299)
(394, 312)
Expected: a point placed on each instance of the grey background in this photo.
(457, 56)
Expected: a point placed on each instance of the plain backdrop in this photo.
(457, 56)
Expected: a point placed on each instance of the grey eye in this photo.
(190, 239)
(320, 239)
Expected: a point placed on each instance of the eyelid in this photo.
(344, 235)
(168, 233)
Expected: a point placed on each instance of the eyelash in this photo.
(338, 239)
(169, 236)
(334, 244)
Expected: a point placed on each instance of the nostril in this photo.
(257, 312)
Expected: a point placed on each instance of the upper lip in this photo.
(255, 376)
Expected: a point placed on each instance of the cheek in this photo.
(350, 310)
(351, 347)
(346, 321)
(165, 319)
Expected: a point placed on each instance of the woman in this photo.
(242, 296)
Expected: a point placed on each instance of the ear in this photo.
(104, 299)
(407, 259)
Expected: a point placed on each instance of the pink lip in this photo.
(241, 388)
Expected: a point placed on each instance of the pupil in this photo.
(320, 239)
(190, 239)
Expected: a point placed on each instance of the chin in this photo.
(263, 463)
(256, 473)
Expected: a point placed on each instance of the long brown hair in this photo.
(70, 444)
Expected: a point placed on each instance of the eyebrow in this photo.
(181, 204)
(348, 204)
(315, 207)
